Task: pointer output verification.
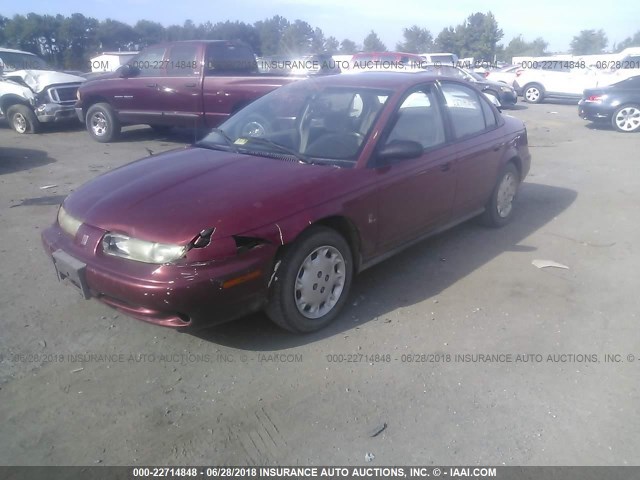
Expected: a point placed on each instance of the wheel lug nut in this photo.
(322, 290)
(326, 279)
(315, 286)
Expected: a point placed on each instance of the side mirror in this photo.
(127, 70)
(399, 150)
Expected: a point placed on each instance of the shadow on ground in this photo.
(18, 159)
(413, 276)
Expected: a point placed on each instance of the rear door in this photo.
(479, 146)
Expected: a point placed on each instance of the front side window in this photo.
(182, 61)
(465, 109)
(150, 62)
(419, 120)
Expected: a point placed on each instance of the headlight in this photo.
(506, 89)
(68, 223)
(78, 94)
(123, 246)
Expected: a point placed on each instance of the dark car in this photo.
(347, 170)
(505, 94)
(617, 105)
(194, 83)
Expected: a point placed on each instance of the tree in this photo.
(416, 40)
(270, 32)
(115, 35)
(447, 41)
(518, 47)
(237, 31)
(629, 42)
(372, 43)
(296, 39)
(317, 41)
(479, 36)
(589, 42)
(348, 46)
(149, 33)
(331, 45)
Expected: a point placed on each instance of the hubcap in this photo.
(253, 129)
(99, 123)
(20, 123)
(320, 282)
(628, 119)
(506, 194)
(532, 94)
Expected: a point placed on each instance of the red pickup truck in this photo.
(194, 83)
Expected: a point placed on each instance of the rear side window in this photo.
(489, 117)
(150, 62)
(182, 61)
(465, 109)
(221, 58)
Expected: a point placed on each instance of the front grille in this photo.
(64, 94)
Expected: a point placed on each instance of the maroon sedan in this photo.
(281, 206)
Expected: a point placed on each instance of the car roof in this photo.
(377, 79)
(11, 50)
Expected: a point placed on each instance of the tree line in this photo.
(69, 41)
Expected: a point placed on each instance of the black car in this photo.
(505, 94)
(617, 104)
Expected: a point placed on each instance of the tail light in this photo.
(594, 98)
(519, 72)
(486, 74)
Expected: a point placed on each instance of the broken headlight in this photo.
(120, 245)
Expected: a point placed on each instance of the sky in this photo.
(354, 19)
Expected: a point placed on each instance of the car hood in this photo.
(38, 80)
(172, 196)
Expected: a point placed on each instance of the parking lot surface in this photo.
(426, 350)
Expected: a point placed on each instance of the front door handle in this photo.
(152, 85)
(190, 85)
(498, 147)
(445, 167)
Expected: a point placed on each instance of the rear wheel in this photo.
(102, 123)
(312, 282)
(22, 119)
(499, 208)
(533, 93)
(626, 119)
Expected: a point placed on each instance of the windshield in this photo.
(11, 61)
(307, 120)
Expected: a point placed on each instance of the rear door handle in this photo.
(445, 167)
(152, 85)
(190, 85)
(498, 147)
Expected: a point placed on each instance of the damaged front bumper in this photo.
(54, 112)
(183, 296)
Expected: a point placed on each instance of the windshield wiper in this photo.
(227, 139)
(265, 141)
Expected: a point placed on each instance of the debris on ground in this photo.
(368, 457)
(378, 430)
(47, 187)
(548, 263)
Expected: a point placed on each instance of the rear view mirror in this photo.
(127, 70)
(399, 150)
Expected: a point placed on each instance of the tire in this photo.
(533, 93)
(22, 119)
(306, 272)
(161, 129)
(499, 209)
(626, 119)
(255, 126)
(102, 123)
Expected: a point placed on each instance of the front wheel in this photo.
(533, 93)
(22, 119)
(312, 283)
(626, 119)
(102, 123)
(499, 209)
